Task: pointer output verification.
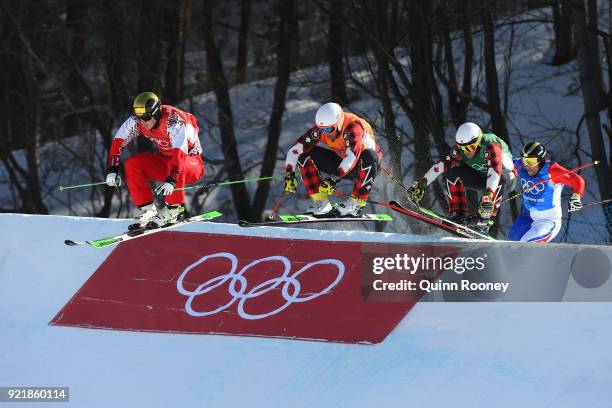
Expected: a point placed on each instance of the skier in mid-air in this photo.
(542, 181)
(477, 161)
(351, 153)
(177, 163)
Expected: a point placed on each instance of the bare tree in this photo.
(335, 51)
(216, 74)
(492, 82)
(286, 37)
(593, 45)
(243, 41)
(414, 88)
(20, 110)
(427, 116)
(458, 106)
(498, 117)
(382, 37)
(565, 44)
(588, 63)
(180, 14)
(148, 20)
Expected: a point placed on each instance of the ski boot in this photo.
(479, 224)
(349, 207)
(457, 217)
(170, 214)
(147, 212)
(320, 205)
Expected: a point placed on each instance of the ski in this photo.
(437, 220)
(291, 219)
(472, 231)
(126, 236)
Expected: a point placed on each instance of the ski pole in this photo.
(393, 178)
(226, 183)
(117, 184)
(520, 193)
(277, 205)
(597, 202)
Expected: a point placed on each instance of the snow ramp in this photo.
(211, 316)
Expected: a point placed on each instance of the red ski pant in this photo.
(142, 168)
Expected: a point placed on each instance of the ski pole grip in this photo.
(117, 184)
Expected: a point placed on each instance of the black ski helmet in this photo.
(146, 106)
(534, 150)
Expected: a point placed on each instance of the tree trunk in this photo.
(453, 100)
(115, 55)
(381, 35)
(458, 104)
(335, 52)
(218, 81)
(609, 95)
(32, 198)
(593, 46)
(33, 201)
(243, 41)
(492, 83)
(76, 23)
(286, 36)
(114, 29)
(181, 13)
(588, 63)
(498, 118)
(565, 45)
(426, 120)
(76, 27)
(148, 61)
(417, 93)
(394, 141)
(20, 115)
(468, 62)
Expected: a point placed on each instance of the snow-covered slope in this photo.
(441, 354)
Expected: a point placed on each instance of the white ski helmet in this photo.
(468, 136)
(329, 115)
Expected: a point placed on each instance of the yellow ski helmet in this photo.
(146, 106)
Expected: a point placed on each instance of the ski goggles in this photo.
(327, 129)
(146, 117)
(469, 147)
(530, 161)
(142, 114)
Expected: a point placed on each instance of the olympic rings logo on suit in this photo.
(241, 295)
(529, 186)
(164, 144)
(479, 167)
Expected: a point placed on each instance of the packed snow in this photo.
(490, 354)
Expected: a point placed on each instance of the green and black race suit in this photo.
(493, 158)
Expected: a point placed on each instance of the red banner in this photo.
(226, 284)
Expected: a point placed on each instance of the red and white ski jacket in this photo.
(356, 135)
(176, 135)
